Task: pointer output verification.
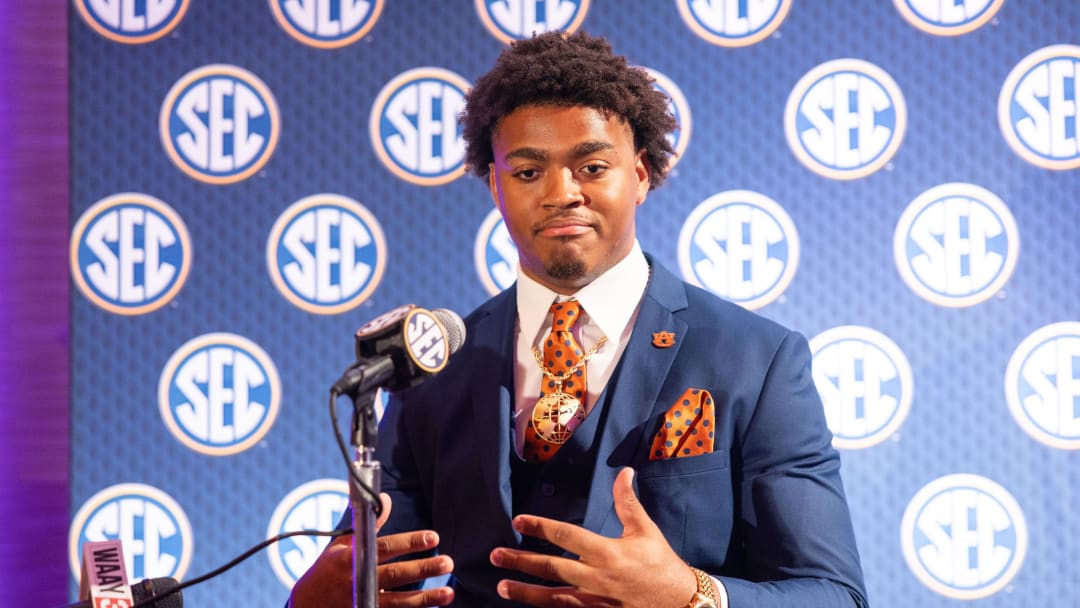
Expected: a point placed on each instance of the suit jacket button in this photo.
(547, 489)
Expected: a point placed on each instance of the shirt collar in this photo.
(609, 300)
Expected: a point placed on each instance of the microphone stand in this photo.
(367, 469)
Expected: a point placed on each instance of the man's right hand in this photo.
(328, 583)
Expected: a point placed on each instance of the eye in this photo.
(594, 169)
(526, 174)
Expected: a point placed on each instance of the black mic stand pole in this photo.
(367, 469)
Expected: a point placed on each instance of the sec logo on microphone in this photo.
(426, 340)
(154, 531)
(219, 394)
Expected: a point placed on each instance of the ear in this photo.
(641, 170)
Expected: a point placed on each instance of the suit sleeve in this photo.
(401, 478)
(793, 520)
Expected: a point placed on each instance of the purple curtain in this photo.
(34, 303)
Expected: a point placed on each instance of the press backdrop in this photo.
(251, 181)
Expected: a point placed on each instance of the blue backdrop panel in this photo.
(253, 180)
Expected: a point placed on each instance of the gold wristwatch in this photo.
(705, 596)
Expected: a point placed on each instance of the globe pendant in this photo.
(556, 416)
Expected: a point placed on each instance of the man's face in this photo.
(567, 181)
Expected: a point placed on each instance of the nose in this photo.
(563, 190)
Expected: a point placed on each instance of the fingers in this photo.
(575, 539)
(396, 574)
(440, 596)
(628, 508)
(384, 499)
(403, 543)
(547, 567)
(555, 597)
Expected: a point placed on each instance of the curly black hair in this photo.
(576, 70)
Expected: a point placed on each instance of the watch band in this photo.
(704, 583)
(705, 596)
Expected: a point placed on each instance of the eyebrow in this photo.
(585, 148)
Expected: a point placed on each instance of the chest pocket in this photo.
(692, 501)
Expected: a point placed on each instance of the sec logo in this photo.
(956, 245)
(510, 20)
(680, 109)
(132, 21)
(865, 383)
(964, 536)
(733, 23)
(130, 253)
(948, 18)
(327, 24)
(414, 128)
(316, 505)
(426, 340)
(1042, 385)
(219, 124)
(152, 528)
(326, 253)
(740, 245)
(494, 254)
(219, 394)
(1037, 108)
(845, 119)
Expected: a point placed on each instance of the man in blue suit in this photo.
(672, 453)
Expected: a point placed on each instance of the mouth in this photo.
(561, 227)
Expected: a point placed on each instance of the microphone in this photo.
(148, 589)
(398, 349)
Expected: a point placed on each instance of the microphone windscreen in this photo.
(455, 327)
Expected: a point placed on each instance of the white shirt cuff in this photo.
(721, 593)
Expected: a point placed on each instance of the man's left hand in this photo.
(637, 569)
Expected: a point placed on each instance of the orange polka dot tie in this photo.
(561, 353)
(688, 427)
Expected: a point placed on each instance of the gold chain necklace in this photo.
(557, 414)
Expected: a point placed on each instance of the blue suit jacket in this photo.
(765, 512)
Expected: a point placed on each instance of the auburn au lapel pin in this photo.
(663, 339)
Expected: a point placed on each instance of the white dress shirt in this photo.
(609, 307)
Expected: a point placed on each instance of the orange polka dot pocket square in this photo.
(687, 428)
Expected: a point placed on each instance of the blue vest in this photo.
(559, 488)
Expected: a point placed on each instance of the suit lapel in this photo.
(633, 392)
(492, 402)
